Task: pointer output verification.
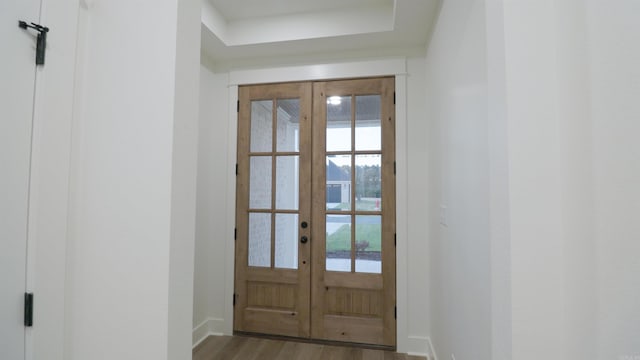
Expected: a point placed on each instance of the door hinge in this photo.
(28, 309)
(234, 299)
(394, 98)
(395, 312)
(41, 39)
(236, 169)
(235, 234)
(238, 106)
(395, 239)
(394, 168)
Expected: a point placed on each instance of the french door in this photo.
(315, 212)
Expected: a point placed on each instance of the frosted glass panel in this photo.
(369, 244)
(339, 182)
(287, 180)
(368, 130)
(338, 243)
(260, 182)
(261, 126)
(287, 241)
(368, 182)
(288, 125)
(339, 123)
(260, 240)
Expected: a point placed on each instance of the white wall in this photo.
(575, 129)
(614, 52)
(570, 81)
(184, 177)
(535, 194)
(212, 217)
(458, 166)
(418, 308)
(130, 246)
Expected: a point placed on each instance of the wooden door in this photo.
(17, 89)
(353, 263)
(341, 286)
(273, 210)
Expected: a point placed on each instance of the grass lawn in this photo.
(341, 239)
(364, 205)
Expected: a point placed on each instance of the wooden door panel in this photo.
(269, 298)
(368, 330)
(356, 302)
(348, 305)
(270, 295)
(271, 321)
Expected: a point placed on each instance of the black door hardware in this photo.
(41, 41)
(28, 309)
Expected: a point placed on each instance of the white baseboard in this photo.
(432, 351)
(209, 327)
(418, 346)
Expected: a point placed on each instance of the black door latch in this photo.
(41, 41)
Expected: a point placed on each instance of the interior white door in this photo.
(17, 84)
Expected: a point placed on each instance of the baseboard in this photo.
(209, 327)
(432, 351)
(418, 346)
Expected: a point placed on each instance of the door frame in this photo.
(396, 67)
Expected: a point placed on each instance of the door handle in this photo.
(304, 239)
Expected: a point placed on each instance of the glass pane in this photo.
(368, 182)
(368, 130)
(287, 241)
(339, 123)
(369, 244)
(260, 182)
(338, 243)
(261, 126)
(339, 182)
(287, 182)
(260, 239)
(288, 125)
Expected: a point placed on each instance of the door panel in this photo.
(353, 264)
(272, 265)
(316, 211)
(16, 95)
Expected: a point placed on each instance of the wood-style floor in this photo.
(249, 348)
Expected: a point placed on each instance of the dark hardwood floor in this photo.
(250, 348)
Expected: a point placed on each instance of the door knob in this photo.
(304, 239)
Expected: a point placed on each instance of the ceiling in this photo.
(259, 8)
(238, 33)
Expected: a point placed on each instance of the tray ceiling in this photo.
(237, 31)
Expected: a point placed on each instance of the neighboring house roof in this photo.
(336, 173)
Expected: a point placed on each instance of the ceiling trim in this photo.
(302, 26)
